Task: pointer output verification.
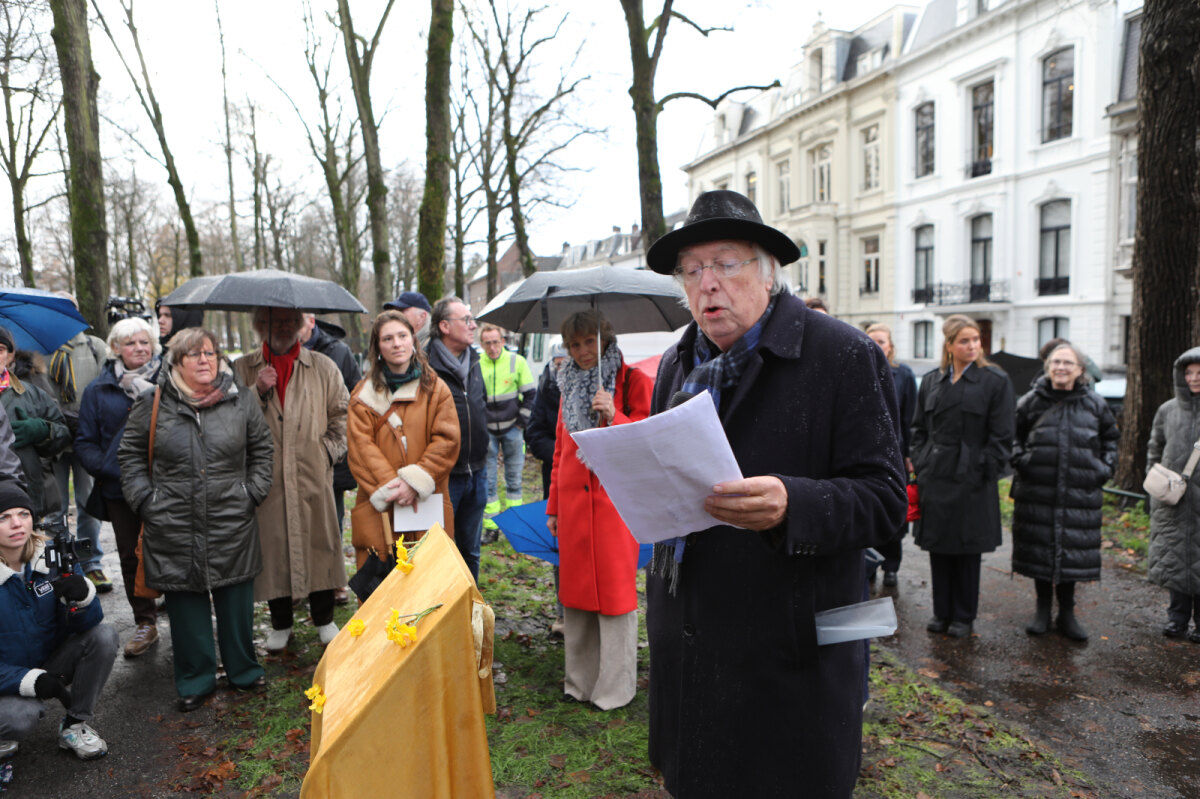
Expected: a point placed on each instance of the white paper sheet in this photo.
(659, 470)
(428, 513)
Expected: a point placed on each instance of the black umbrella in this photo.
(269, 288)
(1021, 370)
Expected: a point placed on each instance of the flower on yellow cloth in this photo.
(318, 698)
(405, 633)
(356, 627)
(403, 563)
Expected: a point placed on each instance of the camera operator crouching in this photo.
(53, 644)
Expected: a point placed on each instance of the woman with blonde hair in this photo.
(403, 436)
(962, 434)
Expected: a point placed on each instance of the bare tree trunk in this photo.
(431, 230)
(360, 79)
(1166, 256)
(145, 93)
(86, 179)
(645, 114)
(243, 325)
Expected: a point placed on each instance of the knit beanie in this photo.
(12, 496)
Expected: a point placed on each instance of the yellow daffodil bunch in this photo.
(318, 698)
(403, 563)
(405, 633)
(356, 627)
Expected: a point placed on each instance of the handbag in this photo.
(1168, 486)
(139, 584)
(914, 502)
(374, 569)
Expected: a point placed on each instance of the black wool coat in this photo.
(1065, 451)
(961, 444)
(742, 701)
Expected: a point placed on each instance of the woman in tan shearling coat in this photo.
(403, 435)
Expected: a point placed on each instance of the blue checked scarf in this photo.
(714, 371)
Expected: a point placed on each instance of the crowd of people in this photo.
(225, 481)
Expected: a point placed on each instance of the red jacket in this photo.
(597, 554)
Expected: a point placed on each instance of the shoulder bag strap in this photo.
(1191, 462)
(154, 424)
(625, 389)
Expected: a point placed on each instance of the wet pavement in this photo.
(1123, 708)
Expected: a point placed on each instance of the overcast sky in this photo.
(267, 36)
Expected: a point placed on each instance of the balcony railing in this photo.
(868, 288)
(961, 293)
(1052, 285)
(981, 167)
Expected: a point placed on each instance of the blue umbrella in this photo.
(525, 528)
(38, 319)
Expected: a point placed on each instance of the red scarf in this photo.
(283, 367)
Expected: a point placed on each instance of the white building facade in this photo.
(1008, 189)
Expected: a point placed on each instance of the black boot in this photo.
(1066, 622)
(1069, 626)
(1045, 599)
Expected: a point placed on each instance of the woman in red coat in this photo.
(597, 555)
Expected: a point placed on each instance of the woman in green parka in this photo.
(212, 467)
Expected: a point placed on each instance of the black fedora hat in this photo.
(718, 215)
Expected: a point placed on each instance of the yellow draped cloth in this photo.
(409, 721)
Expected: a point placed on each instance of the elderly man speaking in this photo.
(742, 700)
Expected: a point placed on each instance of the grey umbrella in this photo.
(633, 300)
(270, 288)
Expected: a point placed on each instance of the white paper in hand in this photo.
(428, 512)
(658, 471)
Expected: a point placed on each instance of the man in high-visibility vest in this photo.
(510, 393)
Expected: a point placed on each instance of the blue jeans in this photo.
(512, 441)
(87, 527)
(468, 495)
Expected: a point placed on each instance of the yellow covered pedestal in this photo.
(409, 721)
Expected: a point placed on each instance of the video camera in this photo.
(63, 552)
(118, 308)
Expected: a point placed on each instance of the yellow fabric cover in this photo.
(409, 721)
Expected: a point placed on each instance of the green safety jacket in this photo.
(510, 391)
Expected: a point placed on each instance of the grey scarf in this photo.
(579, 386)
(134, 381)
(459, 364)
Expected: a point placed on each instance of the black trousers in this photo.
(1184, 607)
(955, 581)
(320, 604)
(126, 526)
(1065, 592)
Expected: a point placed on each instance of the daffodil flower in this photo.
(312, 693)
(356, 627)
(318, 703)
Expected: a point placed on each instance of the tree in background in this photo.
(404, 205)
(30, 110)
(145, 94)
(431, 228)
(85, 180)
(360, 55)
(646, 109)
(1166, 256)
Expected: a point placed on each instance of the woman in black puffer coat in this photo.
(1065, 451)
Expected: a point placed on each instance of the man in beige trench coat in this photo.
(304, 402)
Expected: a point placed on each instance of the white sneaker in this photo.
(277, 641)
(82, 740)
(327, 632)
(7, 749)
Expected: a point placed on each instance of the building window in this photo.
(822, 166)
(801, 284)
(923, 260)
(783, 180)
(816, 66)
(870, 138)
(983, 104)
(1058, 92)
(1127, 200)
(752, 187)
(1054, 260)
(981, 258)
(925, 147)
(870, 261)
(820, 267)
(923, 339)
(1052, 328)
